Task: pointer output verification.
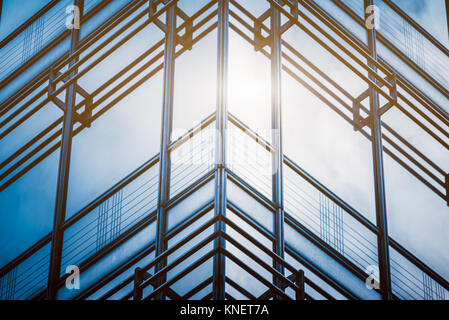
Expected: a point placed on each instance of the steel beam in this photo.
(378, 167)
(277, 154)
(447, 16)
(219, 276)
(167, 126)
(63, 172)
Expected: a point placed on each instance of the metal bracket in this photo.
(294, 11)
(359, 121)
(139, 277)
(186, 39)
(85, 117)
(259, 40)
(152, 11)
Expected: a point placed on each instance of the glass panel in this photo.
(330, 222)
(411, 283)
(248, 204)
(417, 218)
(27, 279)
(203, 271)
(244, 279)
(129, 132)
(27, 209)
(314, 254)
(192, 159)
(249, 85)
(35, 37)
(194, 86)
(249, 159)
(342, 18)
(311, 277)
(413, 44)
(235, 272)
(191, 204)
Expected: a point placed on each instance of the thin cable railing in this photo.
(140, 200)
(33, 38)
(411, 41)
(85, 238)
(331, 224)
(192, 159)
(333, 221)
(353, 244)
(408, 102)
(326, 223)
(318, 209)
(147, 65)
(410, 282)
(28, 278)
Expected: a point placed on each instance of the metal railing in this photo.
(109, 216)
(333, 221)
(30, 40)
(341, 227)
(192, 158)
(113, 217)
(409, 41)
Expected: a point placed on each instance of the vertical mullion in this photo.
(167, 126)
(63, 172)
(221, 120)
(378, 167)
(277, 155)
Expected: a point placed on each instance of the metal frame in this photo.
(219, 275)
(230, 14)
(378, 167)
(447, 16)
(167, 125)
(63, 172)
(276, 125)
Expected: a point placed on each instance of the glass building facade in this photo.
(224, 149)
